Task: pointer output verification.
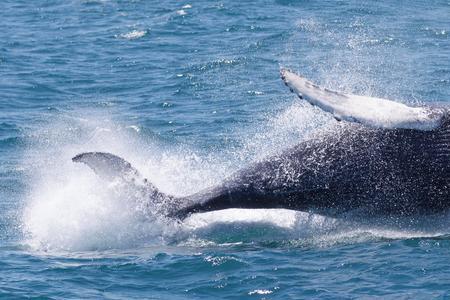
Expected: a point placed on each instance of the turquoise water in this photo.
(189, 92)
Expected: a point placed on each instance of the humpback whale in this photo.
(383, 158)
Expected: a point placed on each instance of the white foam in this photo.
(135, 34)
(135, 128)
(260, 292)
(68, 207)
(75, 211)
(279, 217)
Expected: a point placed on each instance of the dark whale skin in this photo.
(347, 168)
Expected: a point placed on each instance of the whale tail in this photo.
(111, 167)
(108, 166)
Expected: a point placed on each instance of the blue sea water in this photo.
(188, 92)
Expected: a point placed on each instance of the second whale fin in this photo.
(370, 111)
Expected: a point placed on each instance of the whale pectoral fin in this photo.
(370, 111)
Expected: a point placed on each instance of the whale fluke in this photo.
(370, 111)
(108, 166)
(111, 167)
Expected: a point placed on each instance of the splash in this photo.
(69, 208)
(352, 56)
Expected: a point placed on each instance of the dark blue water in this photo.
(189, 92)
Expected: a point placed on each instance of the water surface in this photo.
(189, 92)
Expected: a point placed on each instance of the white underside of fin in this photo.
(375, 112)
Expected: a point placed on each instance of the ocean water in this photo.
(189, 92)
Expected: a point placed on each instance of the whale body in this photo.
(383, 159)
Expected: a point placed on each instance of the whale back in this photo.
(349, 168)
